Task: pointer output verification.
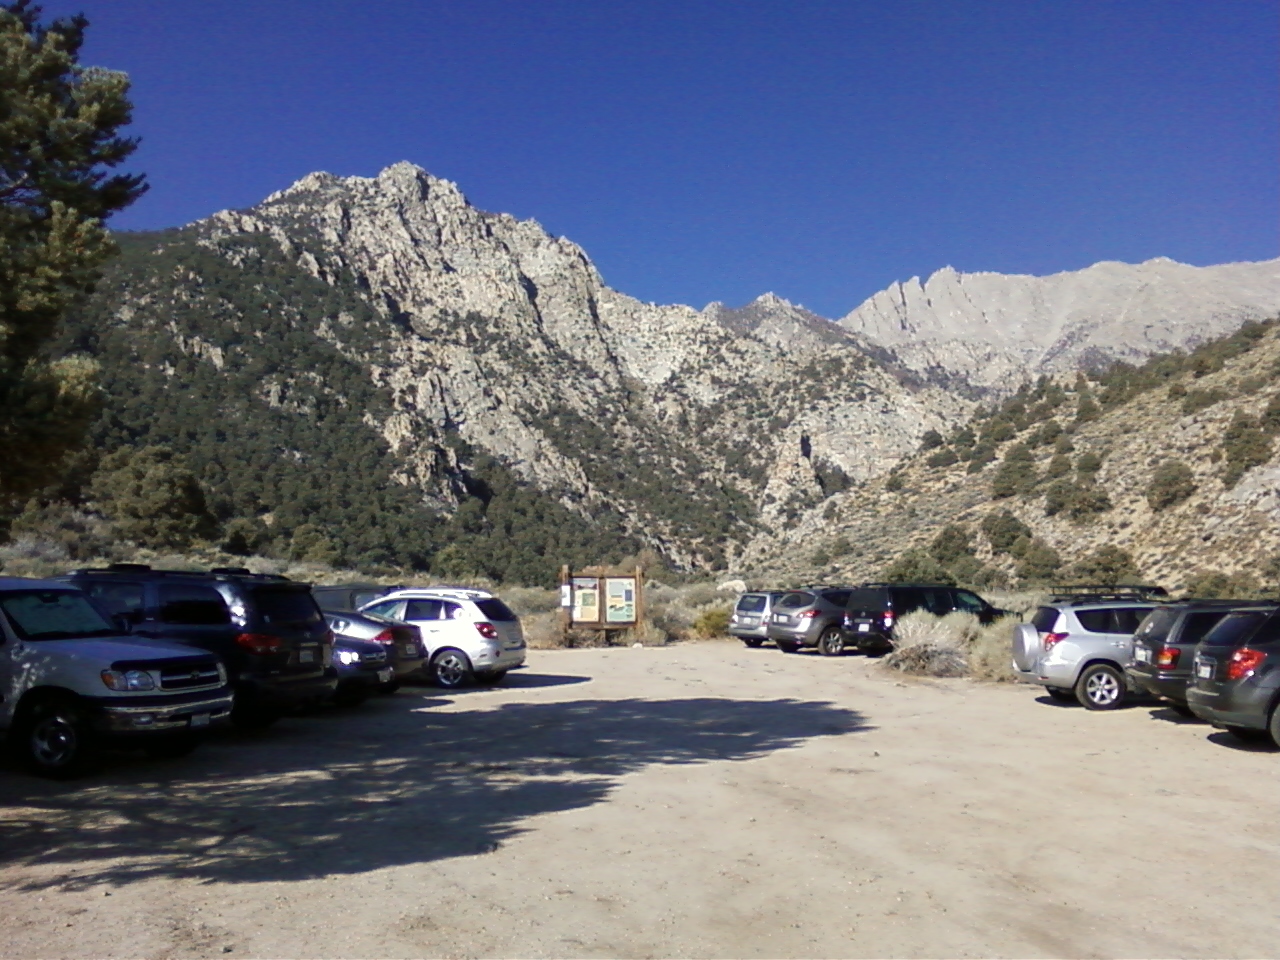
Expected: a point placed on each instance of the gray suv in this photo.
(1079, 643)
(749, 621)
(813, 617)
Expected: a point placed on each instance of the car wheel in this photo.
(787, 646)
(171, 746)
(451, 669)
(1060, 693)
(1273, 725)
(1100, 687)
(1248, 734)
(54, 739)
(752, 642)
(831, 643)
(489, 679)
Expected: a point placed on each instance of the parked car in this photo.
(470, 635)
(1078, 644)
(874, 609)
(266, 628)
(69, 681)
(1236, 674)
(749, 621)
(362, 667)
(401, 641)
(1164, 647)
(349, 597)
(813, 617)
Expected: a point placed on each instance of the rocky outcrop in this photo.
(995, 331)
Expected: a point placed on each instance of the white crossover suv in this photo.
(470, 635)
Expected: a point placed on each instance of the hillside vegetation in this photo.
(1168, 472)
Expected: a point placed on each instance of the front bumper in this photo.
(161, 714)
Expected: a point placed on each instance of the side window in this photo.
(388, 608)
(1269, 631)
(121, 599)
(907, 599)
(839, 598)
(937, 602)
(1126, 620)
(191, 604)
(1197, 625)
(968, 602)
(450, 611)
(360, 598)
(422, 610)
(1095, 621)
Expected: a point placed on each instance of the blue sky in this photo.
(715, 150)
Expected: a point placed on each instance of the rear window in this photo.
(837, 597)
(287, 606)
(751, 603)
(1155, 628)
(1198, 624)
(495, 609)
(192, 604)
(867, 598)
(1234, 629)
(1046, 619)
(793, 600)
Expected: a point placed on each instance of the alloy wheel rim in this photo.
(450, 670)
(1103, 688)
(834, 643)
(53, 741)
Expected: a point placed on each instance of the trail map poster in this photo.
(586, 600)
(620, 600)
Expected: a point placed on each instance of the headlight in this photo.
(346, 656)
(128, 680)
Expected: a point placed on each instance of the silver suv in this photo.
(810, 618)
(749, 621)
(1079, 643)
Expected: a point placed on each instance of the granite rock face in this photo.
(994, 330)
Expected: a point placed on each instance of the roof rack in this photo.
(136, 568)
(1092, 591)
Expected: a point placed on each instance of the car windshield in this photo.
(287, 606)
(1234, 629)
(751, 603)
(54, 615)
(1156, 626)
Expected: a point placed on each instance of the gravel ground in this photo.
(696, 800)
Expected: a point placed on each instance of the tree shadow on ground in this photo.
(393, 783)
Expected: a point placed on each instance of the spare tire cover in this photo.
(1026, 646)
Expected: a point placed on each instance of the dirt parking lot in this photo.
(698, 800)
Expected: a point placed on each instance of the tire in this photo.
(1060, 693)
(490, 679)
(831, 643)
(787, 646)
(172, 746)
(451, 669)
(54, 739)
(1100, 687)
(1248, 734)
(1273, 725)
(752, 642)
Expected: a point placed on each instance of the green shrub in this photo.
(1017, 473)
(1048, 433)
(820, 558)
(1040, 562)
(1214, 585)
(712, 623)
(963, 438)
(1063, 445)
(152, 497)
(952, 542)
(1088, 464)
(999, 431)
(980, 456)
(1244, 445)
(1059, 466)
(1086, 409)
(1079, 500)
(1270, 419)
(1108, 565)
(1003, 530)
(1200, 399)
(931, 440)
(1171, 482)
(841, 547)
(894, 483)
(943, 458)
(916, 566)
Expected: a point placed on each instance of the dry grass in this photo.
(956, 645)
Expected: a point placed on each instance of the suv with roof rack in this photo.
(267, 628)
(470, 635)
(874, 609)
(1078, 644)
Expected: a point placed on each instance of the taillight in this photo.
(386, 638)
(1243, 662)
(1051, 640)
(888, 619)
(1167, 659)
(808, 614)
(258, 642)
(487, 630)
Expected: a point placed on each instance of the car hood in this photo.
(117, 648)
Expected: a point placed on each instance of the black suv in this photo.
(267, 628)
(1165, 642)
(1235, 682)
(874, 608)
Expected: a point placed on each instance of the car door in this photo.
(425, 615)
(972, 603)
(1124, 623)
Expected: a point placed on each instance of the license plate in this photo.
(306, 656)
(385, 675)
(410, 650)
(1142, 655)
(780, 618)
(750, 621)
(200, 720)
(864, 628)
(1204, 670)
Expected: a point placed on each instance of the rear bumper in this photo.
(501, 661)
(801, 636)
(158, 714)
(284, 692)
(1246, 705)
(1166, 687)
